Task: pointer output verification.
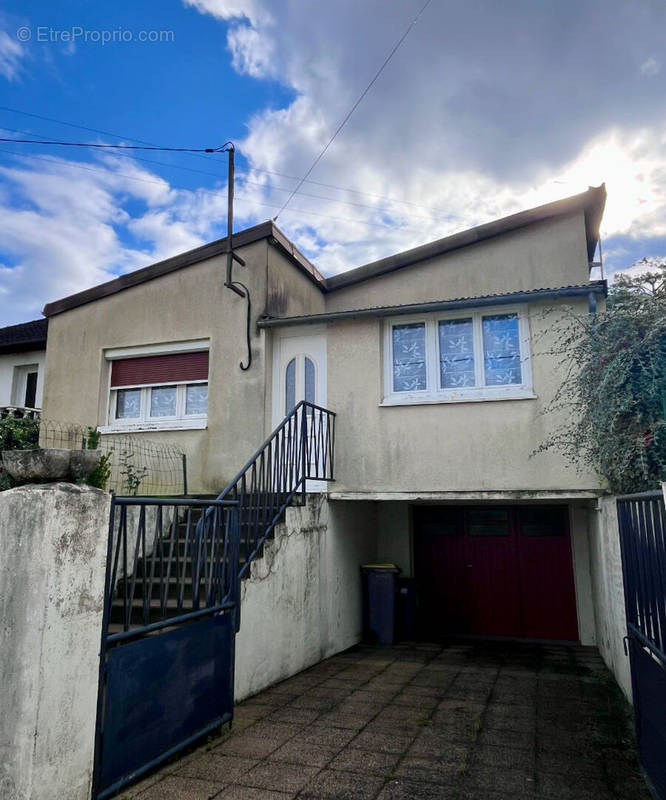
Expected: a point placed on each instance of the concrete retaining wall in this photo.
(608, 590)
(302, 602)
(53, 540)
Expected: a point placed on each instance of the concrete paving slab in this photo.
(471, 721)
(173, 787)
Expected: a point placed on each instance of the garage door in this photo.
(495, 571)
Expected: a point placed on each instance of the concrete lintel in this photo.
(521, 495)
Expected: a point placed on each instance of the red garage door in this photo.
(495, 571)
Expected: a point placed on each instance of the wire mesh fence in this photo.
(137, 465)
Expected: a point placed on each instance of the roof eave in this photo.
(512, 298)
(23, 347)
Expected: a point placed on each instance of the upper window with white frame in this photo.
(160, 391)
(458, 356)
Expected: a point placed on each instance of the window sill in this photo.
(164, 425)
(476, 397)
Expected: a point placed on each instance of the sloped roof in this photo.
(24, 336)
(265, 230)
(591, 202)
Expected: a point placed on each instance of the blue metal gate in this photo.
(642, 522)
(170, 620)
(172, 599)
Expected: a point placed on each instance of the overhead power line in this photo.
(251, 167)
(219, 149)
(212, 192)
(247, 181)
(354, 107)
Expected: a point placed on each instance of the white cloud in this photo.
(474, 118)
(469, 121)
(252, 10)
(650, 67)
(11, 56)
(251, 54)
(65, 226)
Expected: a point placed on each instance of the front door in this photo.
(299, 373)
(495, 571)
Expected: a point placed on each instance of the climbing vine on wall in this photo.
(615, 385)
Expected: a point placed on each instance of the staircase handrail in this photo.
(314, 454)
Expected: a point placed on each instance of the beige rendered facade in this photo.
(422, 448)
(393, 450)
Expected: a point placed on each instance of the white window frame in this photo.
(433, 393)
(144, 422)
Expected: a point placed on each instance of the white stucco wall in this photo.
(608, 590)
(53, 540)
(580, 552)
(8, 362)
(302, 602)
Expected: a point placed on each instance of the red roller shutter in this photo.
(172, 368)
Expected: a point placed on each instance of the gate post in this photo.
(53, 544)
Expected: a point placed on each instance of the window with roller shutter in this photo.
(160, 391)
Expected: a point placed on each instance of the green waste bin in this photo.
(379, 585)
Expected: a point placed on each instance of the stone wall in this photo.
(53, 540)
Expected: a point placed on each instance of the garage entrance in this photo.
(495, 571)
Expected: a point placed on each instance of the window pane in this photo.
(409, 364)
(196, 399)
(456, 353)
(501, 350)
(488, 522)
(439, 521)
(543, 521)
(309, 381)
(128, 403)
(290, 386)
(163, 401)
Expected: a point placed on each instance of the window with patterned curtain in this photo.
(475, 355)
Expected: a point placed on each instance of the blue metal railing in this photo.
(175, 559)
(299, 450)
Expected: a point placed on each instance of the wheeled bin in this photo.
(379, 588)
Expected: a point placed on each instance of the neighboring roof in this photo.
(592, 202)
(25, 336)
(584, 290)
(266, 230)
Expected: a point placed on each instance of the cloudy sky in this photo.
(486, 109)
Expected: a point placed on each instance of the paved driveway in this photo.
(469, 721)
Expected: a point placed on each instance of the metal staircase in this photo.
(178, 558)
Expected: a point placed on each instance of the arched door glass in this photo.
(299, 382)
(309, 380)
(290, 386)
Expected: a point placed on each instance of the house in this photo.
(22, 355)
(436, 361)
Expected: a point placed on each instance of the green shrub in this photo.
(19, 433)
(615, 390)
(99, 477)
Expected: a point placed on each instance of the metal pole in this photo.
(184, 474)
(230, 213)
